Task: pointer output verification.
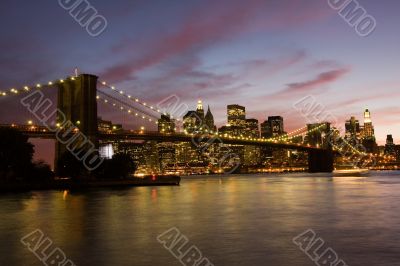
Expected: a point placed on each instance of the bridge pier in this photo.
(77, 104)
(320, 161)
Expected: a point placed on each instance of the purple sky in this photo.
(262, 54)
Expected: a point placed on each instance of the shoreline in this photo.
(68, 184)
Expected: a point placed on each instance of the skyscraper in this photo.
(236, 116)
(209, 120)
(390, 147)
(353, 130)
(166, 124)
(197, 121)
(272, 127)
(369, 132)
(200, 112)
(166, 155)
(252, 128)
(190, 122)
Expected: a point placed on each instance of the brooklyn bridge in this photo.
(77, 101)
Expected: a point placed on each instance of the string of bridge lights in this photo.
(122, 108)
(227, 136)
(286, 136)
(352, 148)
(309, 131)
(132, 98)
(25, 89)
(297, 134)
(123, 103)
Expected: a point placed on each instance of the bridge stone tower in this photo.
(320, 161)
(77, 101)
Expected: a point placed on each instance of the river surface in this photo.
(237, 220)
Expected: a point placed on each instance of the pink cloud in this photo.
(223, 20)
(322, 79)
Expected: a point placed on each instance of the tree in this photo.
(40, 172)
(69, 166)
(119, 167)
(16, 154)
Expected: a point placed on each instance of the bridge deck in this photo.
(45, 133)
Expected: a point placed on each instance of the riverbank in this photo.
(68, 184)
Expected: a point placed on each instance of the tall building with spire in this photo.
(197, 121)
(200, 110)
(368, 134)
(209, 120)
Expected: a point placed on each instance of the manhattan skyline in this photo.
(260, 54)
(199, 132)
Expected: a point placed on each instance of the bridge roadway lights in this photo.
(77, 101)
(320, 161)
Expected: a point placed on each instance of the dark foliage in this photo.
(69, 166)
(119, 167)
(16, 155)
(41, 172)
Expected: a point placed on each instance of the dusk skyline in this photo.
(264, 55)
(200, 132)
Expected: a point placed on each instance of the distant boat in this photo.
(351, 172)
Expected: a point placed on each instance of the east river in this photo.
(232, 220)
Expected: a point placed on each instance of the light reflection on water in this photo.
(241, 220)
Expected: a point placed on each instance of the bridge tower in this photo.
(320, 161)
(77, 102)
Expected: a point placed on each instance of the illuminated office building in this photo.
(273, 127)
(353, 130)
(390, 147)
(252, 130)
(368, 134)
(166, 124)
(236, 116)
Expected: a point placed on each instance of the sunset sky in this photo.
(263, 54)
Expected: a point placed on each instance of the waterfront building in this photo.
(166, 155)
(390, 147)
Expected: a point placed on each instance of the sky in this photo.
(265, 55)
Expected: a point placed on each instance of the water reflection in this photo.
(241, 220)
